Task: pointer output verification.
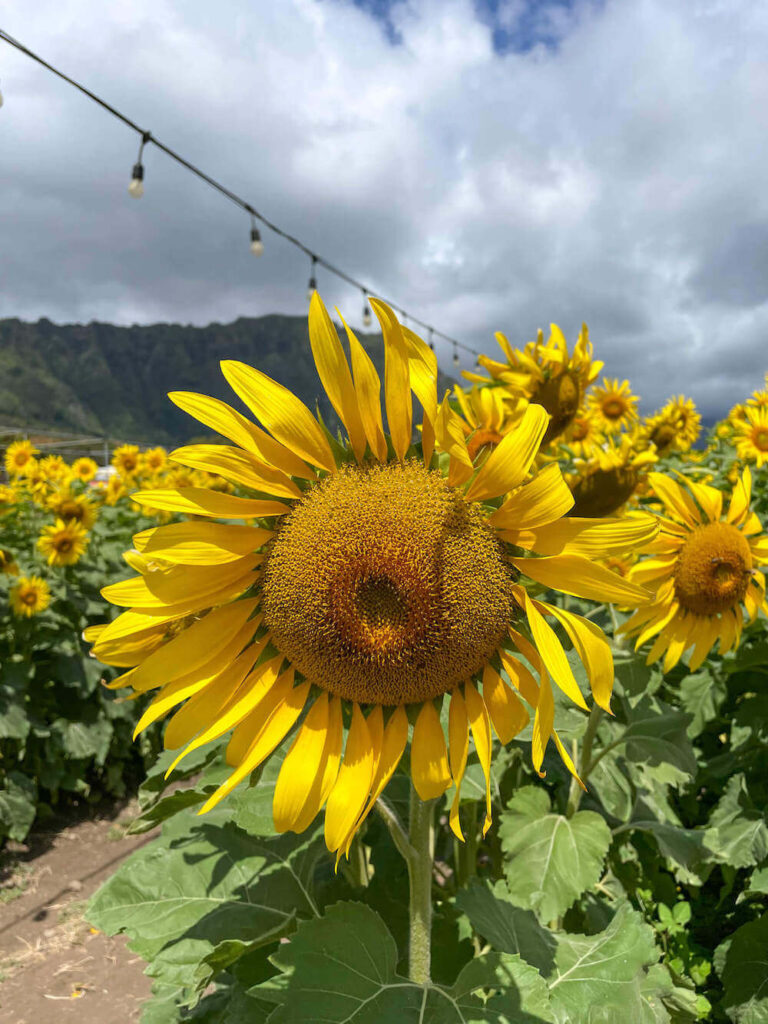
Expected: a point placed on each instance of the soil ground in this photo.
(53, 967)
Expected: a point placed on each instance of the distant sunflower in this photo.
(8, 497)
(54, 469)
(759, 399)
(154, 460)
(63, 543)
(583, 435)
(30, 596)
(546, 375)
(18, 456)
(84, 469)
(8, 563)
(675, 427)
(751, 436)
(613, 405)
(703, 566)
(391, 578)
(126, 459)
(608, 477)
(115, 490)
(65, 504)
(488, 413)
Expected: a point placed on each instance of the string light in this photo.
(312, 286)
(257, 246)
(455, 355)
(367, 318)
(431, 338)
(136, 189)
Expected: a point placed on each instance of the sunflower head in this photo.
(30, 596)
(675, 427)
(54, 469)
(609, 476)
(154, 460)
(613, 405)
(704, 568)
(7, 563)
(66, 505)
(18, 456)
(63, 543)
(361, 580)
(127, 459)
(583, 436)
(751, 436)
(84, 469)
(8, 497)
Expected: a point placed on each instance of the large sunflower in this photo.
(546, 374)
(703, 568)
(370, 578)
(614, 405)
(675, 427)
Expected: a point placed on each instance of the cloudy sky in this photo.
(486, 164)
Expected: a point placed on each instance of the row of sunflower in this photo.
(518, 606)
(63, 530)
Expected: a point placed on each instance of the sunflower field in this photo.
(462, 701)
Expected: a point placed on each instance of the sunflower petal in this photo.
(481, 733)
(368, 389)
(593, 650)
(458, 745)
(397, 382)
(429, 757)
(333, 371)
(237, 466)
(199, 501)
(393, 743)
(198, 543)
(551, 650)
(506, 466)
(545, 499)
(505, 709)
(300, 767)
(675, 498)
(573, 574)
(350, 792)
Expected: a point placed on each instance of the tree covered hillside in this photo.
(102, 379)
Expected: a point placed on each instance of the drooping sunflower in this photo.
(703, 566)
(366, 581)
(66, 505)
(751, 436)
(63, 543)
(84, 469)
(126, 459)
(608, 477)
(8, 563)
(545, 374)
(613, 405)
(488, 414)
(30, 596)
(675, 427)
(18, 456)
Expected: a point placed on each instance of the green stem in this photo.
(422, 837)
(585, 763)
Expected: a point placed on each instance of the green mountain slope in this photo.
(102, 379)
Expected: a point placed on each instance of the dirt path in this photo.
(53, 967)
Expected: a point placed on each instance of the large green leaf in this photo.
(18, 801)
(85, 740)
(745, 973)
(701, 694)
(179, 898)
(340, 969)
(737, 833)
(656, 734)
(508, 928)
(550, 859)
(601, 978)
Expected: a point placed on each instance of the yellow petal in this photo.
(200, 543)
(542, 723)
(519, 675)
(505, 709)
(368, 389)
(197, 645)
(300, 780)
(350, 792)
(450, 437)
(429, 757)
(543, 500)
(481, 733)
(551, 649)
(282, 413)
(458, 745)
(397, 384)
(676, 499)
(506, 466)
(229, 423)
(174, 586)
(565, 757)
(272, 733)
(709, 498)
(594, 651)
(422, 365)
(573, 574)
(199, 501)
(594, 538)
(333, 371)
(393, 744)
(740, 498)
(237, 466)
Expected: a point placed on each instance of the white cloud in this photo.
(616, 177)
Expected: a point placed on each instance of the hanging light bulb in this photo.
(367, 318)
(455, 356)
(431, 340)
(136, 187)
(312, 286)
(257, 246)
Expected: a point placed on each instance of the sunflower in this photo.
(154, 460)
(54, 469)
(126, 459)
(759, 399)
(614, 405)
(582, 436)
(63, 543)
(84, 469)
(29, 596)
(675, 427)
(115, 490)
(18, 456)
(368, 581)
(7, 563)
(751, 436)
(488, 413)
(8, 497)
(66, 505)
(546, 375)
(607, 479)
(703, 567)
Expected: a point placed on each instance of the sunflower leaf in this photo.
(744, 973)
(550, 859)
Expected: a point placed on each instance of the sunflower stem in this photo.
(422, 837)
(585, 762)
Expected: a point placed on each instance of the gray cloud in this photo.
(613, 173)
